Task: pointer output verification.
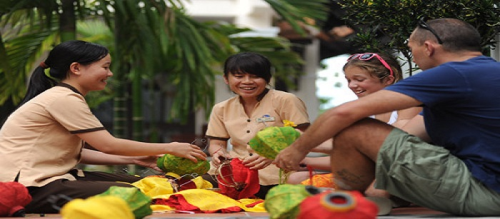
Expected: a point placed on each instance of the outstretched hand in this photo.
(256, 162)
(186, 150)
(289, 159)
(147, 161)
(219, 156)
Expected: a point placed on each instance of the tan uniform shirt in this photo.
(229, 120)
(38, 140)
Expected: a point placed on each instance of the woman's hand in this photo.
(255, 161)
(147, 161)
(186, 150)
(219, 156)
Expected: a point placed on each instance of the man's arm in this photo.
(336, 119)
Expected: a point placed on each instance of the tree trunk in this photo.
(137, 118)
(67, 21)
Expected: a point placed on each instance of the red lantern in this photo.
(338, 204)
(236, 180)
(14, 197)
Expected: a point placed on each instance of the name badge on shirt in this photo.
(265, 118)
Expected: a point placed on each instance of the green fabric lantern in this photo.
(271, 140)
(182, 166)
(283, 201)
(139, 203)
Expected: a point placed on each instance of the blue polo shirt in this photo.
(461, 110)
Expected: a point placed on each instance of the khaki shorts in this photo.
(430, 176)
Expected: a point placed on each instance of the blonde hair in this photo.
(376, 68)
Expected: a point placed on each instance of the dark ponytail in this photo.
(39, 82)
(58, 62)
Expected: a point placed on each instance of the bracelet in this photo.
(216, 151)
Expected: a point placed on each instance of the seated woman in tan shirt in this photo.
(254, 107)
(43, 140)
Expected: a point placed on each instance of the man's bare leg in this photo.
(355, 152)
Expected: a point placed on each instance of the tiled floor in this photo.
(407, 212)
(419, 212)
(398, 213)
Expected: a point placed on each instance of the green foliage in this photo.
(295, 11)
(385, 25)
(194, 49)
(21, 53)
(151, 41)
(28, 28)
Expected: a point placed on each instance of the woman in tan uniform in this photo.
(43, 140)
(254, 107)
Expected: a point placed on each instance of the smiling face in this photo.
(93, 76)
(248, 86)
(361, 82)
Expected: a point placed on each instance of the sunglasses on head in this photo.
(368, 56)
(422, 24)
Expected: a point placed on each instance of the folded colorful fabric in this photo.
(153, 186)
(206, 201)
(201, 199)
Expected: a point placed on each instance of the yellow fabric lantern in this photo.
(97, 207)
(156, 185)
(138, 202)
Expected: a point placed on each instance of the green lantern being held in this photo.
(271, 140)
(182, 166)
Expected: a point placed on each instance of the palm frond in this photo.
(196, 49)
(295, 12)
(28, 12)
(22, 52)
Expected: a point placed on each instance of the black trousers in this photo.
(87, 184)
